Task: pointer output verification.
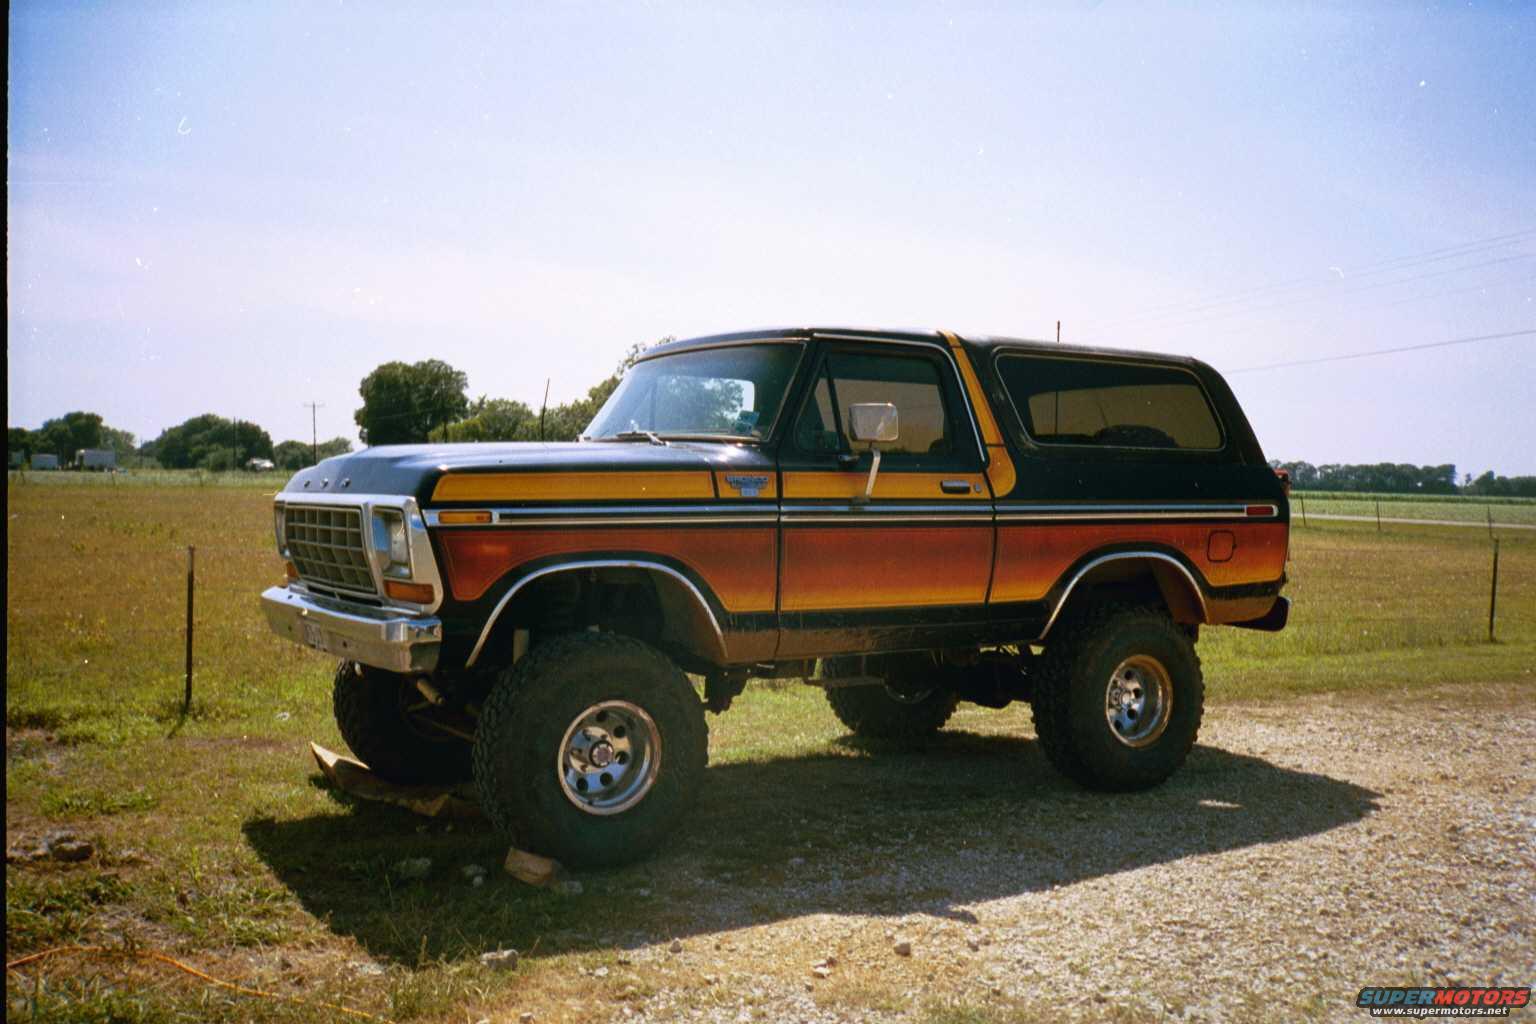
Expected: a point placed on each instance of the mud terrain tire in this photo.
(369, 704)
(1098, 663)
(901, 711)
(590, 749)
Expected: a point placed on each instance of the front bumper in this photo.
(382, 637)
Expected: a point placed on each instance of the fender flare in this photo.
(693, 589)
(1117, 556)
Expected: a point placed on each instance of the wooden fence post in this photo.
(186, 700)
(1493, 592)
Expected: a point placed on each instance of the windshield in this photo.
(718, 392)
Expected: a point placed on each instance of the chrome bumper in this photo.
(381, 637)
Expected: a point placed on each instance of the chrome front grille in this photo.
(325, 543)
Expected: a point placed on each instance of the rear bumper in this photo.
(381, 637)
(1272, 621)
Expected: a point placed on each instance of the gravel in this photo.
(1309, 848)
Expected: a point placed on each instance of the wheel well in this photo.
(650, 603)
(1145, 579)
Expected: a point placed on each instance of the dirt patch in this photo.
(1309, 847)
(1424, 873)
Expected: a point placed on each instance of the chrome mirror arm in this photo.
(869, 485)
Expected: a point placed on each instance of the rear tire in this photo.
(370, 707)
(1119, 698)
(904, 710)
(590, 749)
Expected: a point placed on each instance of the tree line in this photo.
(208, 442)
(413, 403)
(1403, 478)
(428, 401)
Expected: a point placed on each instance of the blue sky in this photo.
(240, 208)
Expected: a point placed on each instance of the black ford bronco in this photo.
(907, 520)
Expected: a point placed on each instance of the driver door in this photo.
(860, 574)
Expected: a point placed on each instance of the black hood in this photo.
(414, 469)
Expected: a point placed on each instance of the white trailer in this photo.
(96, 458)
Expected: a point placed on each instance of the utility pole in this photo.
(1058, 332)
(542, 407)
(314, 433)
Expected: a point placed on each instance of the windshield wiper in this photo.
(635, 435)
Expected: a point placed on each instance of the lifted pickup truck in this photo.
(906, 519)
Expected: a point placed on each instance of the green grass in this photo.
(1451, 507)
(218, 844)
(269, 482)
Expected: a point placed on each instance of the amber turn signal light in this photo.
(459, 518)
(419, 593)
(291, 571)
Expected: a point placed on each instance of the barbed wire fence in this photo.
(74, 608)
(204, 611)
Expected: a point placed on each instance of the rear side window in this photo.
(1101, 403)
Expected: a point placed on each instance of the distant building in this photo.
(260, 465)
(42, 461)
(96, 458)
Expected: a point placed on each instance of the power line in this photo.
(1303, 299)
(1312, 281)
(1382, 351)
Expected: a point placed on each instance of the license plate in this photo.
(314, 636)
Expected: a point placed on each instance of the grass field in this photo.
(217, 843)
(1452, 507)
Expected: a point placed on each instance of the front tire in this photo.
(907, 709)
(590, 749)
(372, 711)
(1119, 698)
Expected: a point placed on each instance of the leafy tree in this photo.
(500, 419)
(1490, 485)
(18, 442)
(120, 441)
(335, 446)
(404, 402)
(1383, 477)
(567, 422)
(68, 434)
(210, 442)
(292, 455)
(492, 419)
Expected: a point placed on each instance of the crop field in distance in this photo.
(217, 843)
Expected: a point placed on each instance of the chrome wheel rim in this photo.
(609, 758)
(908, 696)
(1138, 700)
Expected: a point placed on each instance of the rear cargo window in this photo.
(1110, 404)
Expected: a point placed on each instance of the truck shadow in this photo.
(861, 831)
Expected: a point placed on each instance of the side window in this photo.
(911, 383)
(1102, 403)
(818, 429)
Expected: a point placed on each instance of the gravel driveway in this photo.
(1309, 848)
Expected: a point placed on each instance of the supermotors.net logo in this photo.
(1442, 1001)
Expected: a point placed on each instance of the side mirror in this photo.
(873, 422)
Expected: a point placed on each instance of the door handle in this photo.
(955, 487)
